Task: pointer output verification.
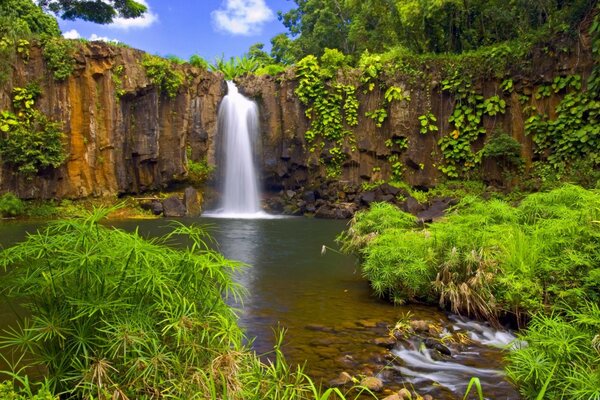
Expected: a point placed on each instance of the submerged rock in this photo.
(372, 383)
(343, 378)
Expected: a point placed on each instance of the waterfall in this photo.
(238, 129)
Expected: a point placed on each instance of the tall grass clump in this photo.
(487, 258)
(113, 315)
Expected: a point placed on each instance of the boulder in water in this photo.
(191, 199)
(173, 207)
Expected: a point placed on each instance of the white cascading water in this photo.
(238, 126)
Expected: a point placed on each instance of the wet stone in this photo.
(372, 383)
(386, 342)
(343, 378)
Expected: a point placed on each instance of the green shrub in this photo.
(198, 61)
(28, 139)
(561, 355)
(488, 258)
(11, 205)
(9, 392)
(271, 70)
(162, 73)
(59, 53)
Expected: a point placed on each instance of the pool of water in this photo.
(330, 316)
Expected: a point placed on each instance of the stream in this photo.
(330, 316)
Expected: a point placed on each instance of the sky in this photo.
(210, 28)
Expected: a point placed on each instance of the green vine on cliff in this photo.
(332, 107)
(117, 78)
(162, 73)
(575, 132)
(29, 141)
(59, 54)
(467, 119)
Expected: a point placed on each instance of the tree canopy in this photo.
(98, 11)
(23, 17)
(422, 26)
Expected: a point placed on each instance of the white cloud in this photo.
(94, 37)
(147, 19)
(242, 17)
(72, 34)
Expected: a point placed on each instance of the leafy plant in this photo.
(198, 61)
(428, 123)
(59, 53)
(28, 139)
(162, 73)
(11, 205)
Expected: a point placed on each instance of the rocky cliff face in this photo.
(137, 141)
(287, 163)
(115, 145)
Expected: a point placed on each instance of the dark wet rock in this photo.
(275, 204)
(191, 199)
(386, 188)
(436, 210)
(156, 207)
(343, 378)
(386, 342)
(336, 211)
(436, 345)
(386, 198)
(310, 208)
(309, 196)
(290, 194)
(411, 205)
(372, 383)
(366, 198)
(173, 207)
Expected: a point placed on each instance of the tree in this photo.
(257, 53)
(98, 11)
(23, 17)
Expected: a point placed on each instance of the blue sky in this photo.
(210, 28)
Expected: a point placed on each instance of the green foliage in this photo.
(467, 119)
(198, 171)
(198, 61)
(561, 357)
(100, 12)
(117, 78)
(9, 392)
(332, 107)
(428, 123)
(575, 132)
(11, 205)
(271, 70)
(504, 148)
(59, 54)
(162, 73)
(23, 18)
(488, 258)
(29, 141)
(331, 61)
(234, 67)
(423, 26)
